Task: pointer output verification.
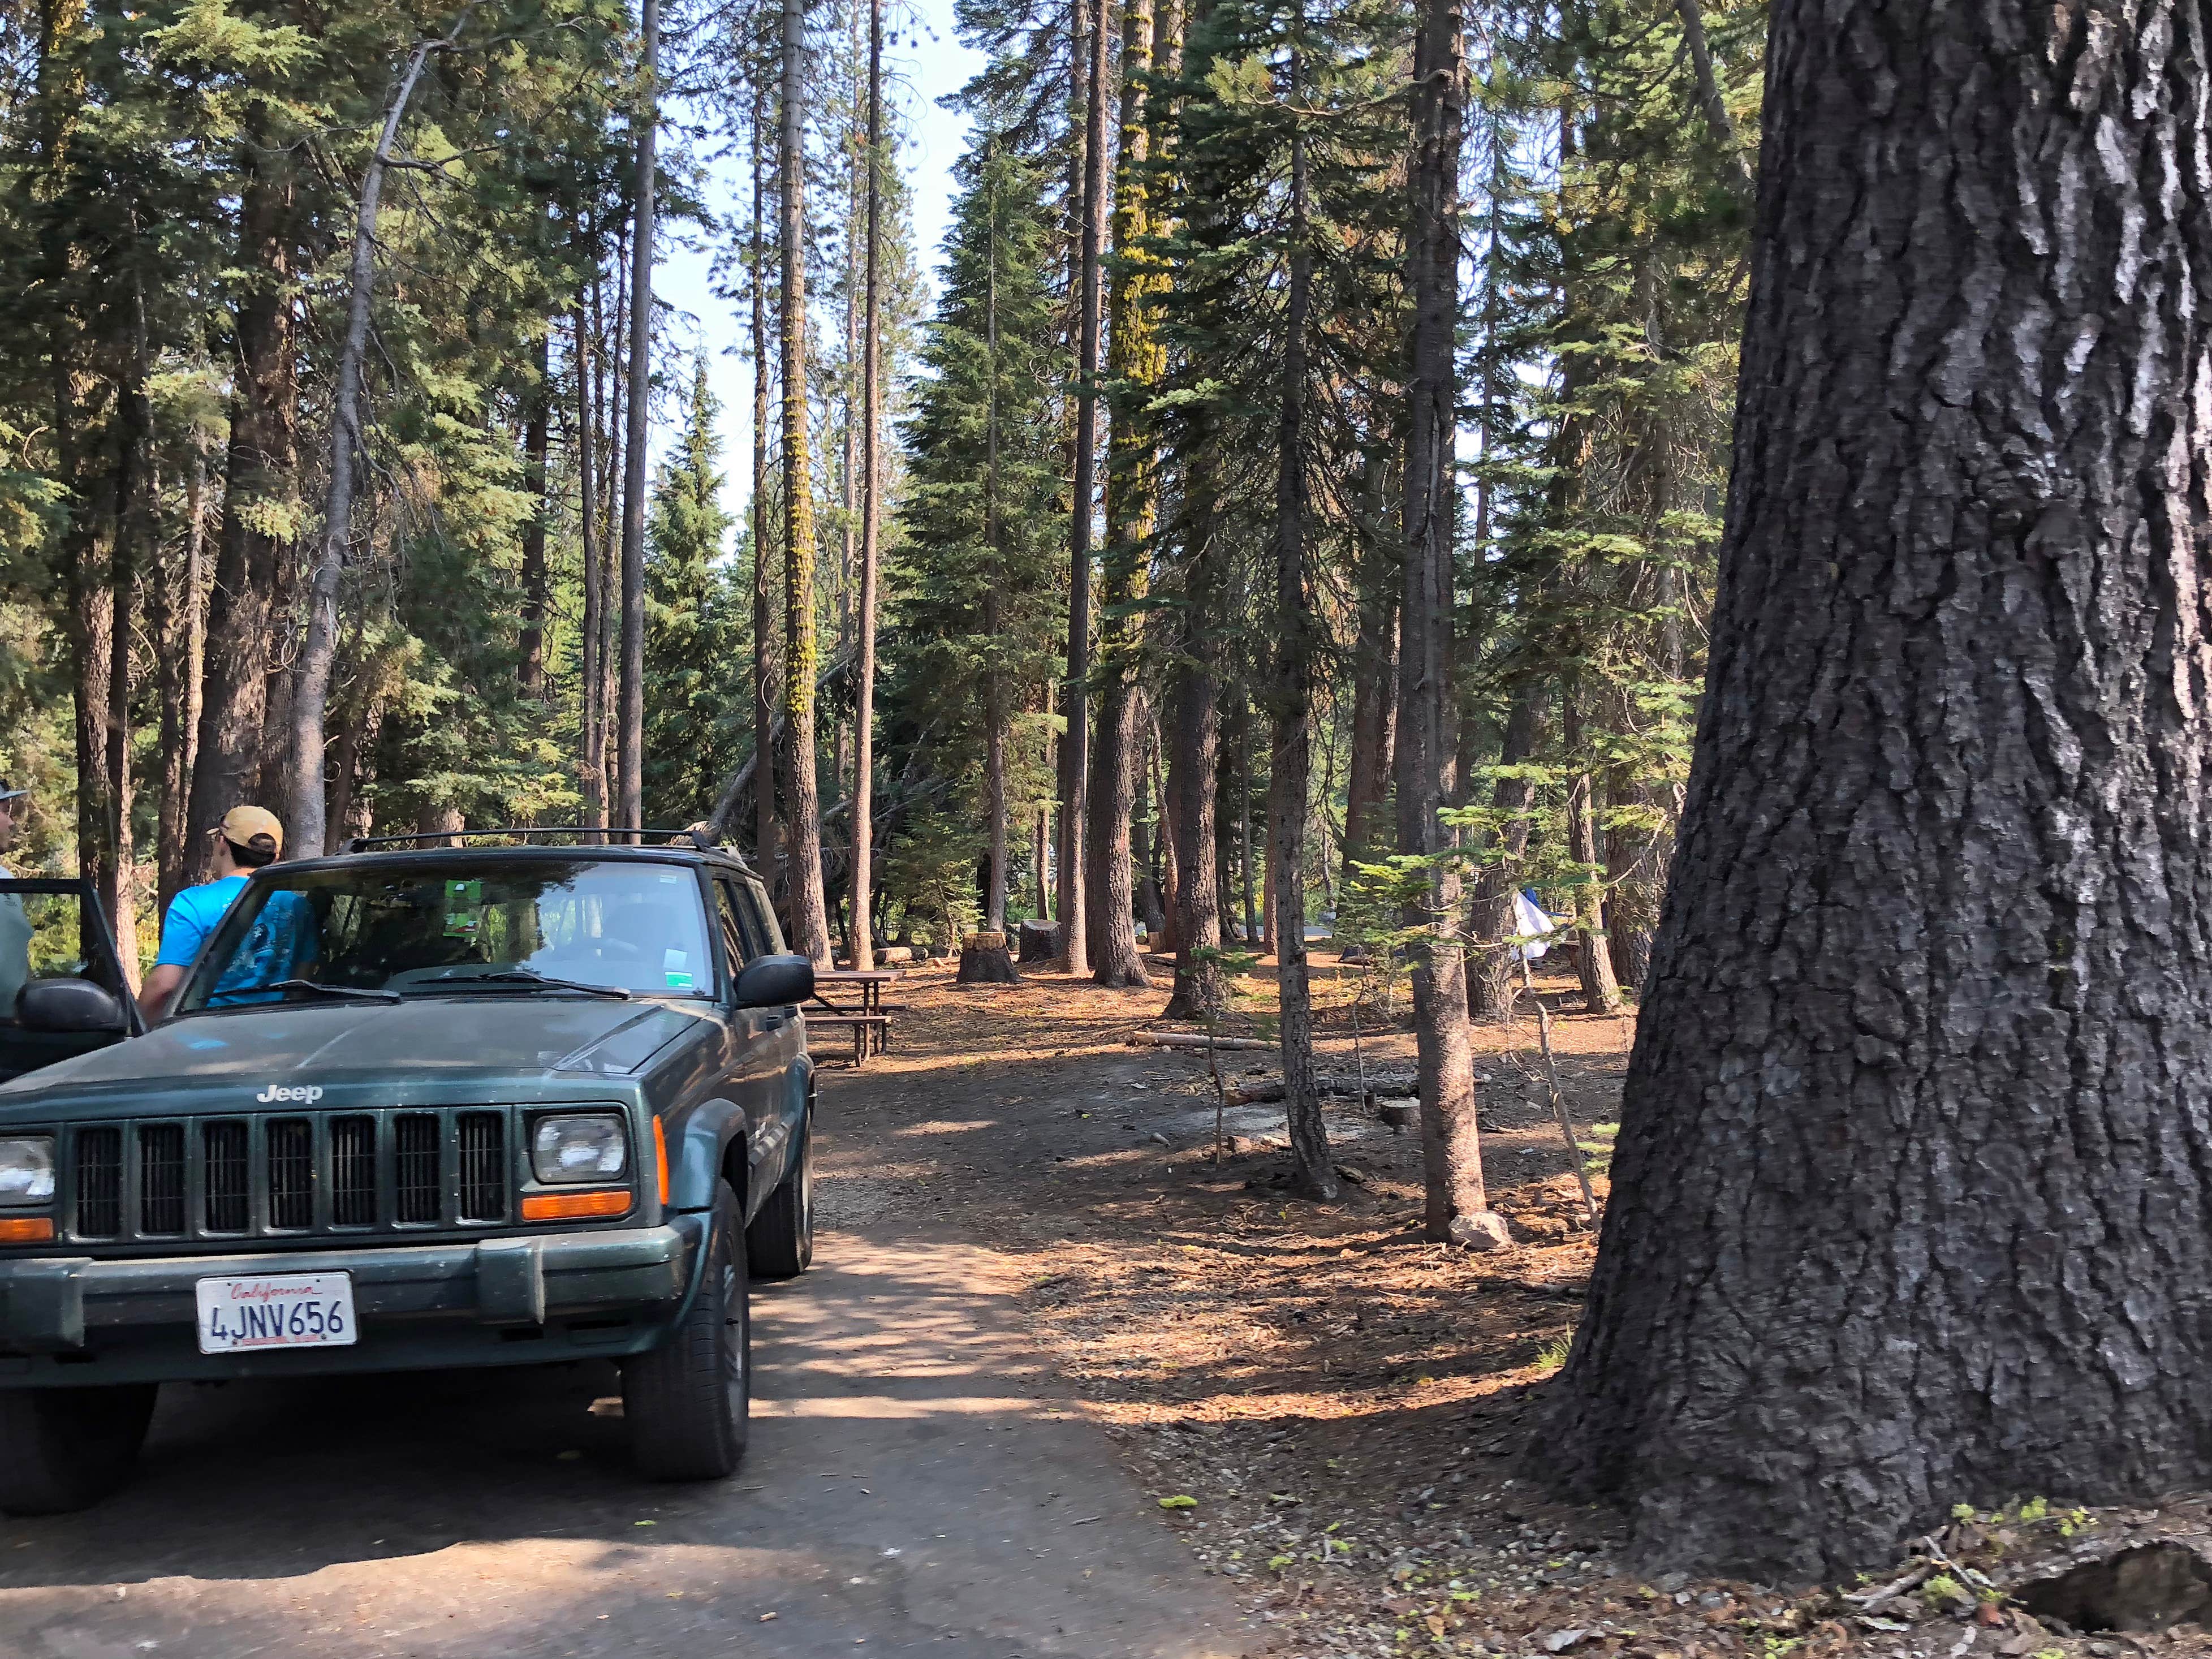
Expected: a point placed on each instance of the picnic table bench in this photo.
(869, 1022)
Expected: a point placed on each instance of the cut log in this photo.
(1200, 1040)
(1040, 941)
(984, 961)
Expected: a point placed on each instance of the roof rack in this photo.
(699, 838)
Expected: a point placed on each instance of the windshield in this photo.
(475, 927)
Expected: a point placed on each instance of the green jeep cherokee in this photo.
(505, 1104)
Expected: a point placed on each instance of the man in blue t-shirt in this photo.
(283, 940)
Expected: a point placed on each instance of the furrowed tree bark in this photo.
(1451, 1148)
(1289, 774)
(629, 738)
(305, 801)
(862, 948)
(810, 909)
(1909, 1208)
(257, 507)
(1074, 748)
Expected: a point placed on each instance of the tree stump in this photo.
(1040, 941)
(984, 961)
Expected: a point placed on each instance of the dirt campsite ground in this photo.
(1336, 1414)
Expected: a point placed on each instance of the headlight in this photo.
(27, 1170)
(568, 1149)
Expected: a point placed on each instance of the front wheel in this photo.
(780, 1244)
(64, 1449)
(687, 1401)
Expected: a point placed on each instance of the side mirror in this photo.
(69, 1006)
(776, 981)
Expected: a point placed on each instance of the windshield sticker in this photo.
(464, 908)
(672, 962)
(679, 981)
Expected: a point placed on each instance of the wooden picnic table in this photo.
(870, 983)
(871, 1024)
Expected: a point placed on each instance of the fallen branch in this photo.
(1251, 1094)
(1197, 1040)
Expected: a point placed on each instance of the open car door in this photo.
(62, 991)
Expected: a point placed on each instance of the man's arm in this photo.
(160, 990)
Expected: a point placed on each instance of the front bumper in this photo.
(68, 1321)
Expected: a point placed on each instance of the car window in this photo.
(634, 925)
(736, 946)
(51, 936)
(762, 919)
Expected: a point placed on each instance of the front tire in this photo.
(687, 1401)
(65, 1449)
(780, 1244)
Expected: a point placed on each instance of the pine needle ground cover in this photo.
(1348, 1411)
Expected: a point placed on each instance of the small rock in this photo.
(1670, 1582)
(1484, 1231)
(1353, 1173)
(1160, 1139)
(1559, 1641)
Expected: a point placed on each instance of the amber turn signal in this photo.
(571, 1207)
(25, 1229)
(661, 1157)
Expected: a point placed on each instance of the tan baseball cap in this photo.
(242, 826)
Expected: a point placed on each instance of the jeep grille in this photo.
(320, 1173)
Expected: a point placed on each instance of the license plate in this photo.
(275, 1310)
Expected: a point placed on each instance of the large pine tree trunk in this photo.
(1135, 360)
(1451, 1144)
(1075, 746)
(531, 671)
(179, 590)
(591, 696)
(1290, 770)
(1201, 990)
(630, 725)
(810, 909)
(862, 948)
(1910, 1206)
(764, 628)
(258, 482)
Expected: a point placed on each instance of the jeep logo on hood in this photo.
(277, 1091)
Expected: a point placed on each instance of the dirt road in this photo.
(917, 1483)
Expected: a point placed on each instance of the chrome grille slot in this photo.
(162, 1179)
(229, 1197)
(353, 1171)
(415, 1158)
(99, 1182)
(291, 1174)
(483, 1166)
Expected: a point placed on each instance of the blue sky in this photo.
(927, 62)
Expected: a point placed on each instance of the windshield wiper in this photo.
(348, 993)
(528, 978)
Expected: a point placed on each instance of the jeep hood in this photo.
(426, 1038)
